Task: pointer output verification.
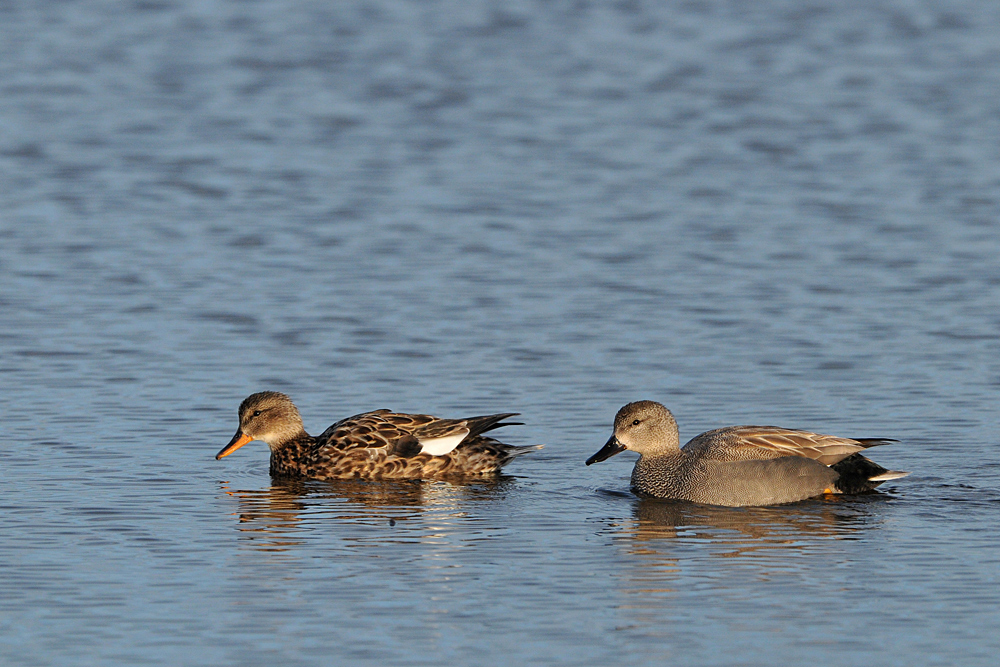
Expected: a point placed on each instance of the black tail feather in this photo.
(478, 425)
(875, 442)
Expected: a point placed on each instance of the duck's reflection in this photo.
(280, 517)
(666, 543)
(748, 529)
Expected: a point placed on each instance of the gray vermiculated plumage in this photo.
(733, 483)
(739, 465)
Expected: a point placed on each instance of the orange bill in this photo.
(238, 441)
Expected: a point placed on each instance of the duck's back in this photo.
(761, 443)
(378, 428)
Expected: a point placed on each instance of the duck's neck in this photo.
(656, 474)
(667, 442)
(293, 457)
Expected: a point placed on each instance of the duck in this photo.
(739, 466)
(380, 444)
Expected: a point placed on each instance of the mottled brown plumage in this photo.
(373, 445)
(739, 465)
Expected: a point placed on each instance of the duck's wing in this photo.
(365, 430)
(743, 443)
(407, 434)
(443, 435)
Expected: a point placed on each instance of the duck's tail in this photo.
(511, 452)
(887, 475)
(875, 442)
(516, 450)
(860, 475)
(479, 425)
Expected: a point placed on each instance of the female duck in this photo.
(739, 465)
(373, 445)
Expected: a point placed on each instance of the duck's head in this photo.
(269, 416)
(645, 427)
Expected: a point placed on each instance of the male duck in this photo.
(373, 445)
(739, 465)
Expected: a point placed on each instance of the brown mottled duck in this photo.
(373, 445)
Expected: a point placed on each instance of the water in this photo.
(784, 213)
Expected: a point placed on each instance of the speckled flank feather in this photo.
(374, 445)
(739, 465)
(476, 456)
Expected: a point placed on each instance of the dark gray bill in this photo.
(610, 448)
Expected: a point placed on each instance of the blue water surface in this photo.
(773, 212)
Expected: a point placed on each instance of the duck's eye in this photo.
(256, 413)
(636, 422)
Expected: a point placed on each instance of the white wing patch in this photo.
(441, 446)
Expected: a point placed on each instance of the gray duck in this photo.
(739, 465)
